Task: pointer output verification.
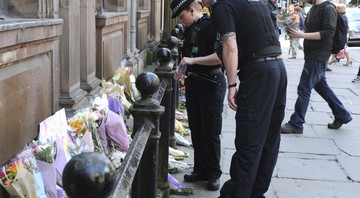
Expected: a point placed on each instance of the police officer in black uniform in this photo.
(205, 91)
(251, 50)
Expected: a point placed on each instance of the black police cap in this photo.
(179, 5)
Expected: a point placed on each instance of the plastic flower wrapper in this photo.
(180, 116)
(177, 189)
(180, 128)
(100, 105)
(180, 140)
(43, 151)
(117, 92)
(44, 154)
(83, 128)
(102, 136)
(18, 181)
(179, 155)
(121, 76)
(28, 159)
(116, 157)
(75, 147)
(182, 103)
(63, 154)
(115, 130)
(176, 166)
(116, 105)
(134, 91)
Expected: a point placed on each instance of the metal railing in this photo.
(145, 167)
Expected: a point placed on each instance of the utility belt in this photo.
(264, 59)
(207, 71)
(205, 77)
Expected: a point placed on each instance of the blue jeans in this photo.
(313, 76)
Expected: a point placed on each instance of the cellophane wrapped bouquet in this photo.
(284, 20)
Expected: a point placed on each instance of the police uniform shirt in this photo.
(252, 23)
(199, 41)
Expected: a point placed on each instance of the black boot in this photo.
(194, 177)
(213, 184)
(337, 124)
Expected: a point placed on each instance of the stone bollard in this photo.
(147, 109)
(166, 74)
(172, 42)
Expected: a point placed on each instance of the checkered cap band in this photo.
(178, 6)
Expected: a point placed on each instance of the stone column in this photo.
(155, 16)
(88, 80)
(71, 95)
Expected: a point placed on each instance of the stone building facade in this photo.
(54, 54)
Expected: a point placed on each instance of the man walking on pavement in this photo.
(317, 50)
(251, 50)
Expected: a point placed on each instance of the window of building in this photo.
(143, 4)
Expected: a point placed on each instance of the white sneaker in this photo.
(356, 80)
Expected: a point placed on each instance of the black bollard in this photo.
(166, 74)
(89, 175)
(147, 109)
(178, 32)
(172, 43)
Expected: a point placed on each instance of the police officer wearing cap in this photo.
(205, 91)
(251, 51)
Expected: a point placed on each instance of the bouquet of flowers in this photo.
(83, 128)
(45, 154)
(18, 180)
(8, 173)
(78, 126)
(284, 20)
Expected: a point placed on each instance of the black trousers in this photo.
(204, 104)
(261, 102)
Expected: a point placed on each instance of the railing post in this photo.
(145, 181)
(172, 42)
(165, 73)
(178, 32)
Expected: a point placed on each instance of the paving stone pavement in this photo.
(321, 163)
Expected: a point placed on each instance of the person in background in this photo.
(357, 78)
(317, 49)
(252, 51)
(297, 11)
(205, 91)
(294, 42)
(272, 7)
(341, 8)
